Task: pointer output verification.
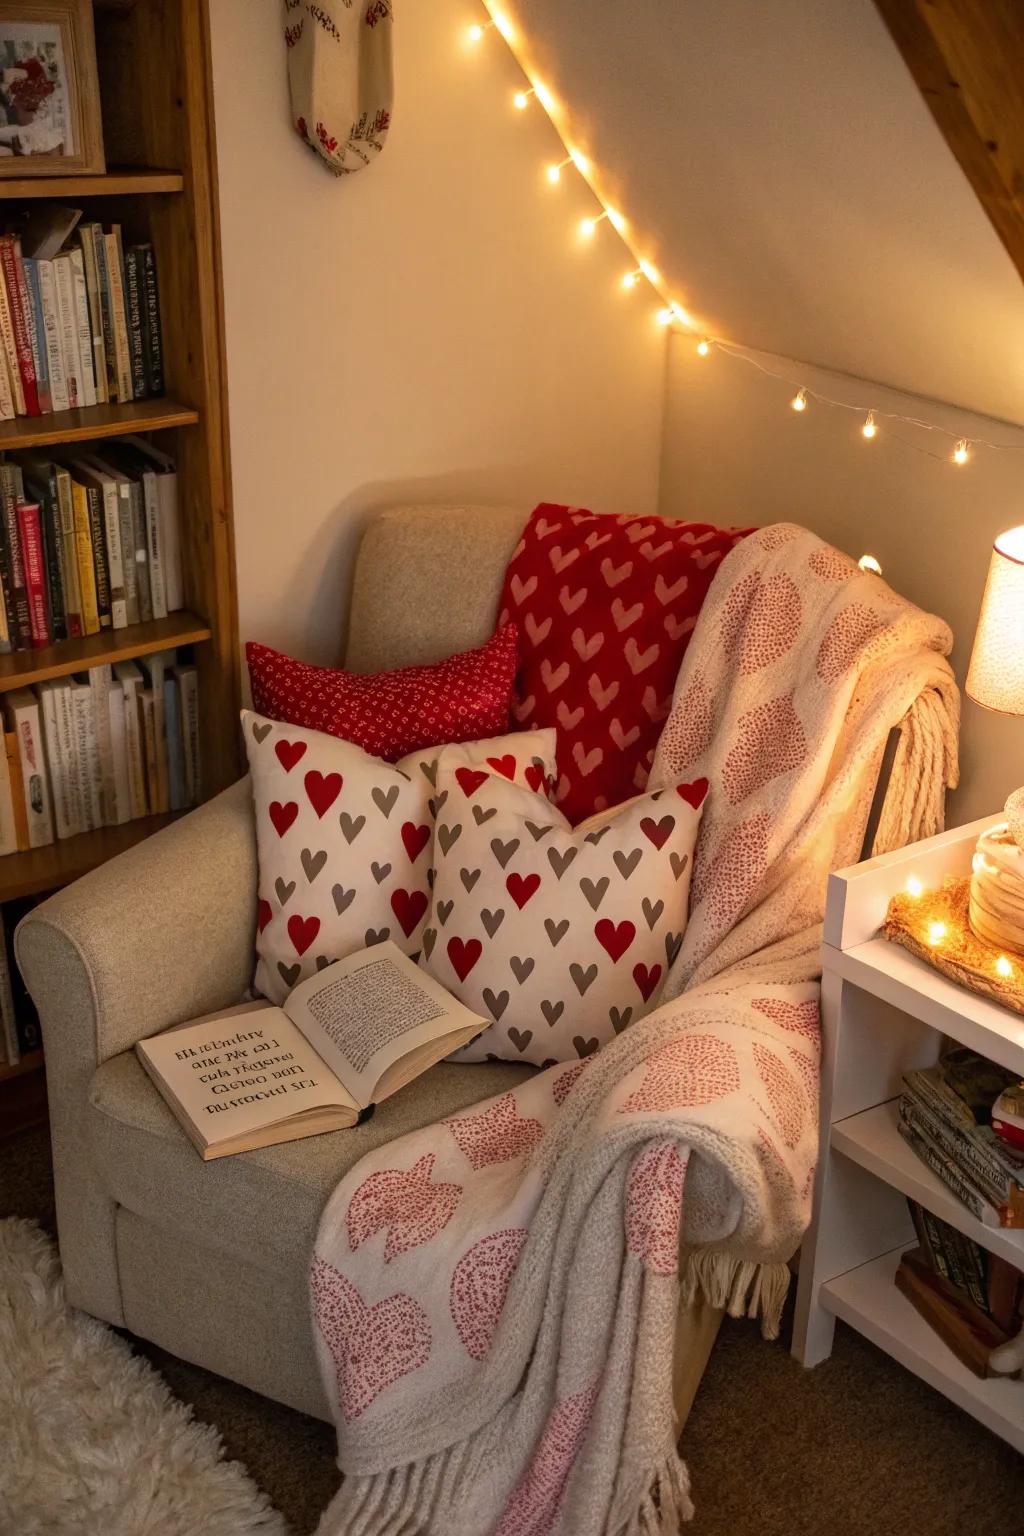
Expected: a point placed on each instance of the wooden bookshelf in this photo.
(46, 869)
(130, 182)
(22, 1067)
(156, 96)
(18, 669)
(86, 423)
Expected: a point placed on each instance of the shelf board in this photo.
(44, 869)
(889, 971)
(91, 421)
(30, 1063)
(126, 181)
(872, 1140)
(868, 1300)
(20, 668)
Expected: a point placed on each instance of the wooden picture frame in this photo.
(48, 86)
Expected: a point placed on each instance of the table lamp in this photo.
(995, 679)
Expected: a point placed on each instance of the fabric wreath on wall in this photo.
(340, 77)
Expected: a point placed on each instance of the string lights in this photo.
(671, 313)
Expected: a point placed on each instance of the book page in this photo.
(369, 1012)
(240, 1072)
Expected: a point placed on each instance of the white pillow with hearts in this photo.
(562, 936)
(345, 840)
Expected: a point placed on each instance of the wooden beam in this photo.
(967, 59)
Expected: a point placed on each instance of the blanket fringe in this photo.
(402, 1501)
(667, 1503)
(739, 1286)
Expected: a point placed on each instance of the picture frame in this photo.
(50, 123)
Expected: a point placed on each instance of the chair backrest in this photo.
(427, 582)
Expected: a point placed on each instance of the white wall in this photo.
(734, 452)
(425, 330)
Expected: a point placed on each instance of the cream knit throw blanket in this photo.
(495, 1296)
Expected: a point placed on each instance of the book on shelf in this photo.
(969, 1331)
(79, 756)
(347, 1038)
(79, 316)
(87, 541)
(945, 1116)
(991, 1282)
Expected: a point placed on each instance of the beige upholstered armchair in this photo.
(209, 1260)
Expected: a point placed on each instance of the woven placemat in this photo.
(958, 953)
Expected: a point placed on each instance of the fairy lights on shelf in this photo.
(671, 314)
(936, 930)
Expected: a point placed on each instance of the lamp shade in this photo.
(995, 677)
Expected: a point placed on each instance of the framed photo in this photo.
(50, 122)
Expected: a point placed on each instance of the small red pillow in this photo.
(463, 698)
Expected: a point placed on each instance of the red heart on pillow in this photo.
(658, 832)
(464, 954)
(522, 887)
(415, 839)
(469, 780)
(615, 937)
(323, 789)
(534, 776)
(302, 931)
(282, 815)
(264, 912)
(408, 907)
(506, 765)
(693, 793)
(288, 753)
(646, 980)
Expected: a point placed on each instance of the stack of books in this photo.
(98, 749)
(946, 1117)
(972, 1298)
(79, 316)
(89, 540)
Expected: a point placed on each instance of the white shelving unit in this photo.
(883, 1013)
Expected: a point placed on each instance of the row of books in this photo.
(79, 317)
(88, 541)
(946, 1117)
(98, 749)
(973, 1299)
(20, 1032)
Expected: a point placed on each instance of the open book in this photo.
(351, 1035)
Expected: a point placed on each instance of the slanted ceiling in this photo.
(777, 161)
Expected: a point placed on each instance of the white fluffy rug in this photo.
(92, 1443)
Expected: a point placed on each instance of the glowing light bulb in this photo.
(914, 886)
(521, 100)
(799, 400)
(869, 429)
(650, 272)
(936, 933)
(869, 563)
(703, 347)
(665, 316)
(554, 172)
(476, 31)
(588, 226)
(629, 278)
(1003, 966)
(961, 453)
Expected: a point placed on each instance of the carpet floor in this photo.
(858, 1447)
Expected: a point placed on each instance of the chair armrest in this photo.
(160, 934)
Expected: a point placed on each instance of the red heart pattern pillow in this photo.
(345, 841)
(561, 936)
(605, 608)
(464, 698)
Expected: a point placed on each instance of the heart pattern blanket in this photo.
(495, 1296)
